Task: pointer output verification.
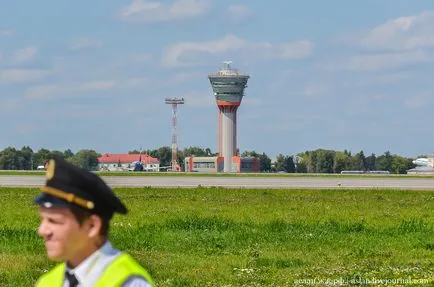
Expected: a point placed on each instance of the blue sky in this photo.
(353, 75)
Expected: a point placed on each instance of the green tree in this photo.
(25, 158)
(301, 167)
(264, 160)
(302, 162)
(40, 157)
(210, 153)
(342, 162)
(264, 163)
(370, 162)
(384, 162)
(289, 164)
(358, 161)
(324, 161)
(164, 154)
(85, 158)
(279, 164)
(312, 163)
(9, 159)
(400, 165)
(194, 151)
(68, 153)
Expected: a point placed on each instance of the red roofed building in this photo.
(126, 162)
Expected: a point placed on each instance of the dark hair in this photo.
(81, 215)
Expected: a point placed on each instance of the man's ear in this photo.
(95, 225)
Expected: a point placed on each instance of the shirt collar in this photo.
(85, 267)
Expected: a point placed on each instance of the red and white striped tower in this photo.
(174, 102)
(228, 86)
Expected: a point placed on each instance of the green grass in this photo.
(241, 237)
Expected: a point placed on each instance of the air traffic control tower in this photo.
(228, 86)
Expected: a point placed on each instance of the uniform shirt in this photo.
(90, 270)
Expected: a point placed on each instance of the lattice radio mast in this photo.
(174, 102)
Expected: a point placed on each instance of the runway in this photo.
(241, 182)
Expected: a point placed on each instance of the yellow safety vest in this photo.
(122, 268)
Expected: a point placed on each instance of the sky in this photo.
(354, 75)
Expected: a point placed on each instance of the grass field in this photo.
(241, 237)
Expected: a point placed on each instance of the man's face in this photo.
(63, 236)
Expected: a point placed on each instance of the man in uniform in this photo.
(76, 207)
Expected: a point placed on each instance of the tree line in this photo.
(315, 161)
(330, 161)
(26, 159)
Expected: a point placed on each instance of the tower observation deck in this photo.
(228, 86)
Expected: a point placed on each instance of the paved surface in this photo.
(246, 182)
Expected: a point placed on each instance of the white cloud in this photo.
(42, 92)
(139, 6)
(147, 11)
(199, 99)
(403, 33)
(316, 90)
(9, 104)
(76, 89)
(297, 122)
(395, 43)
(239, 12)
(184, 77)
(141, 57)
(293, 50)
(84, 43)
(136, 82)
(380, 78)
(391, 78)
(381, 61)
(5, 33)
(418, 100)
(174, 54)
(11, 76)
(24, 55)
(130, 60)
(95, 86)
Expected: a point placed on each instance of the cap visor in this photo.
(48, 201)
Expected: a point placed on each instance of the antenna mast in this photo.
(174, 102)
